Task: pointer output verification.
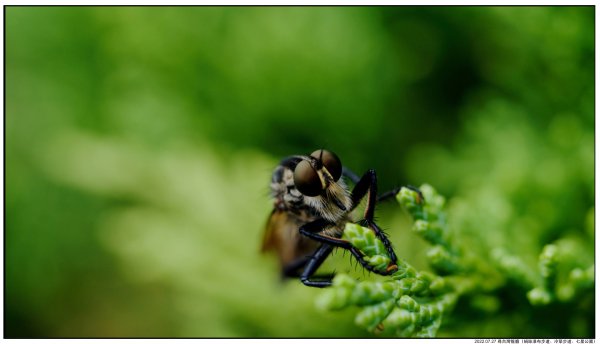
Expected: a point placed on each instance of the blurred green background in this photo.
(140, 142)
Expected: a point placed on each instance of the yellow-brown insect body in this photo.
(292, 209)
(312, 206)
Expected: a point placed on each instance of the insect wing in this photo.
(283, 237)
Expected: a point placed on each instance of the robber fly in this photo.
(312, 204)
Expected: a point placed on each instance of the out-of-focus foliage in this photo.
(140, 141)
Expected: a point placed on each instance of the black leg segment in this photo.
(313, 264)
(392, 193)
(388, 194)
(350, 175)
(367, 185)
(312, 230)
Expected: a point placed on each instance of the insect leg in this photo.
(388, 194)
(367, 186)
(392, 193)
(350, 175)
(384, 196)
(292, 269)
(313, 264)
(312, 230)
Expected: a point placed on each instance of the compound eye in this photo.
(331, 162)
(307, 180)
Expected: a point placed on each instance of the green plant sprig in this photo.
(410, 302)
(546, 285)
(550, 288)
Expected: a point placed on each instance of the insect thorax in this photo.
(288, 198)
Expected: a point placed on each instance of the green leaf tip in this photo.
(365, 240)
(371, 316)
(539, 296)
(549, 261)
